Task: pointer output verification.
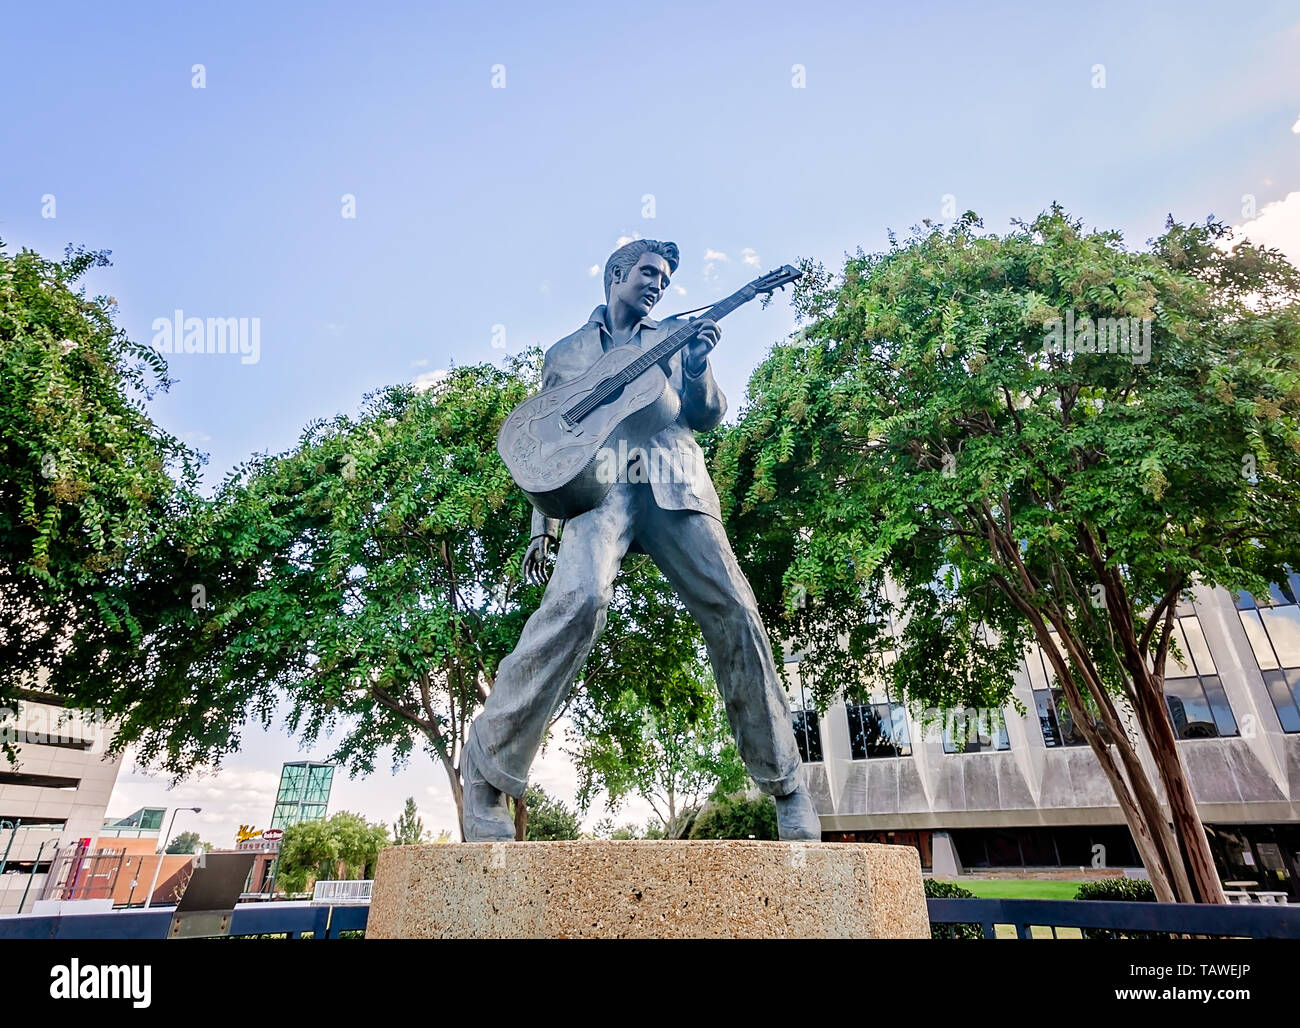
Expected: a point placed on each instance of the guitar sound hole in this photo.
(611, 397)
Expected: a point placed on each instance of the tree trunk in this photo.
(1194, 846)
(521, 818)
(457, 793)
(1135, 816)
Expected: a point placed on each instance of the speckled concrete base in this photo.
(648, 889)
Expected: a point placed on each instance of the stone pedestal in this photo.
(648, 889)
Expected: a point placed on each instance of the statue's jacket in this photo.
(678, 476)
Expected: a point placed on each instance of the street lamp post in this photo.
(148, 900)
(32, 877)
(12, 835)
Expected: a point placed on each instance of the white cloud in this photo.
(428, 379)
(715, 255)
(423, 362)
(1276, 225)
(226, 799)
(624, 240)
(749, 256)
(594, 270)
(1296, 127)
(681, 290)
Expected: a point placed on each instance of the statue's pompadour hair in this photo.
(625, 258)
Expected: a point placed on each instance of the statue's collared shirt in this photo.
(677, 474)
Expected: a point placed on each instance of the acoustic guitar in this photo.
(551, 441)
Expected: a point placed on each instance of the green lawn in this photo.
(1019, 889)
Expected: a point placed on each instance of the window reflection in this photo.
(878, 730)
(1272, 625)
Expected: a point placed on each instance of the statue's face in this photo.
(644, 285)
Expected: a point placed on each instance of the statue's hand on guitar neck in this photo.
(536, 567)
(697, 350)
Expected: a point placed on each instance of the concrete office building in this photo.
(52, 798)
(1028, 793)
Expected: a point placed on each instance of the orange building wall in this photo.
(139, 863)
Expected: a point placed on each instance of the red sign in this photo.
(272, 834)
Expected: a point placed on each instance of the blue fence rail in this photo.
(325, 922)
(1230, 920)
(292, 919)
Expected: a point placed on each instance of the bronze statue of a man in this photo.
(671, 514)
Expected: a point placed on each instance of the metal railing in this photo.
(1095, 917)
(292, 919)
(1102, 918)
(342, 891)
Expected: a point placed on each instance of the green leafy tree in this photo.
(548, 817)
(408, 830)
(89, 483)
(921, 429)
(344, 846)
(308, 850)
(736, 816)
(186, 842)
(650, 722)
(369, 575)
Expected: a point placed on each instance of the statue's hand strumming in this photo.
(537, 561)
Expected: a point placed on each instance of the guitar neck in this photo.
(667, 347)
(664, 349)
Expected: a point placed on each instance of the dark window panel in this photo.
(1047, 719)
(1284, 691)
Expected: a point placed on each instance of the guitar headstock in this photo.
(777, 279)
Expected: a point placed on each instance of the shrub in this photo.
(948, 890)
(1128, 890)
(736, 817)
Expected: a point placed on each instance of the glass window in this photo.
(1272, 624)
(878, 730)
(1258, 637)
(1036, 668)
(808, 735)
(1284, 690)
(1047, 718)
(1198, 708)
(1196, 647)
(975, 730)
(1055, 719)
(806, 721)
(1283, 627)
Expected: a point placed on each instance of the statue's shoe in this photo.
(487, 817)
(796, 818)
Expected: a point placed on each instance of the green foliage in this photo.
(89, 483)
(949, 890)
(605, 829)
(345, 846)
(548, 817)
(648, 721)
(919, 488)
(919, 409)
(408, 830)
(736, 816)
(186, 842)
(369, 574)
(1132, 890)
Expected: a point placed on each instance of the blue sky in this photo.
(479, 206)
